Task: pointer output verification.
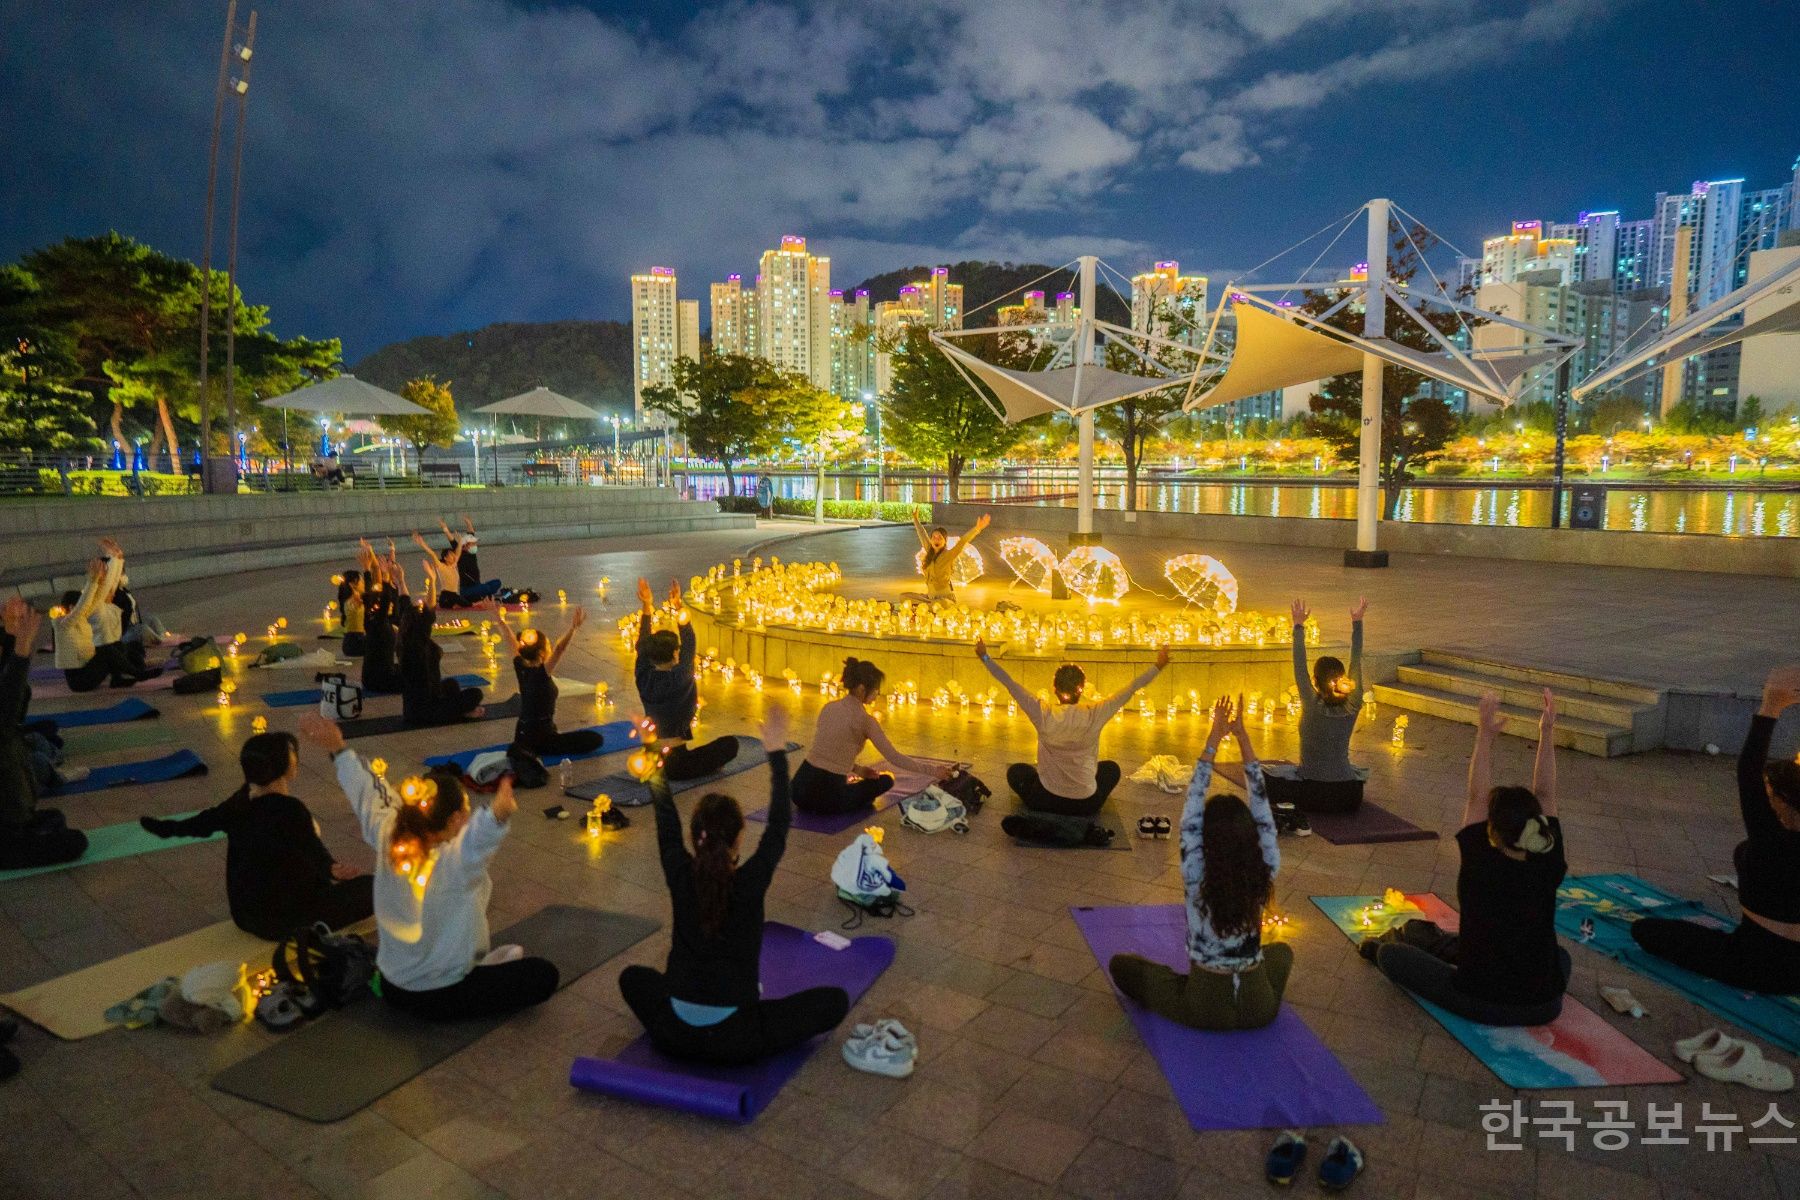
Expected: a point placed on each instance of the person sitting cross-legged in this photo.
(669, 694)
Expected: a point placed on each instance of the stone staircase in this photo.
(1602, 717)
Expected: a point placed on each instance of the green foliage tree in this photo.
(437, 426)
(1414, 429)
(1750, 412)
(932, 414)
(37, 413)
(1610, 413)
(1135, 421)
(728, 407)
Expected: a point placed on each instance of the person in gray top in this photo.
(1325, 780)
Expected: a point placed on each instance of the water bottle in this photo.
(565, 774)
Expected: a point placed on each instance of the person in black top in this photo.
(426, 697)
(279, 877)
(29, 836)
(1506, 967)
(383, 591)
(470, 585)
(534, 662)
(707, 1006)
(666, 688)
(1763, 953)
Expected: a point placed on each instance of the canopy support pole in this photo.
(1084, 414)
(1368, 467)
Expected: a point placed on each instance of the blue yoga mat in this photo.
(629, 792)
(1277, 1077)
(614, 735)
(178, 765)
(791, 962)
(115, 841)
(128, 709)
(1614, 902)
(303, 696)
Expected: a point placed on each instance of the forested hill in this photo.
(985, 281)
(589, 361)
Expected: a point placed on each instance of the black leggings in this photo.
(448, 703)
(826, 793)
(1749, 957)
(484, 992)
(752, 1033)
(688, 761)
(1314, 795)
(344, 903)
(550, 744)
(44, 841)
(355, 645)
(110, 661)
(1432, 978)
(1024, 781)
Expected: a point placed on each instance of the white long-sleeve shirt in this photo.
(1068, 752)
(430, 937)
(74, 629)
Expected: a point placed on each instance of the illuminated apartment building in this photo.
(1168, 304)
(793, 295)
(655, 331)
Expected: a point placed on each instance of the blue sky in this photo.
(424, 167)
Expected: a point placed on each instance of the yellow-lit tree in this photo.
(437, 426)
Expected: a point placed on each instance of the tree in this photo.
(37, 413)
(726, 406)
(437, 426)
(932, 414)
(1750, 413)
(823, 424)
(1414, 429)
(1613, 412)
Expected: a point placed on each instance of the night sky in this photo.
(423, 167)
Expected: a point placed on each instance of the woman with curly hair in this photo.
(1228, 864)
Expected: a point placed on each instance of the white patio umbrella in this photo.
(542, 402)
(345, 395)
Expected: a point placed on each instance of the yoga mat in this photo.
(628, 792)
(104, 739)
(74, 1006)
(178, 765)
(339, 1064)
(1369, 823)
(59, 688)
(300, 697)
(906, 785)
(615, 735)
(108, 842)
(436, 631)
(128, 709)
(1615, 901)
(1106, 818)
(791, 962)
(1275, 1077)
(1578, 1049)
(504, 710)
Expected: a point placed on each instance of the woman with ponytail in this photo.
(534, 663)
(1504, 967)
(427, 698)
(829, 780)
(350, 607)
(384, 590)
(278, 874)
(1228, 862)
(431, 890)
(707, 1006)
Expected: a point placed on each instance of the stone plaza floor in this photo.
(1031, 1082)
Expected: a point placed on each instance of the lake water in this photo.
(1731, 512)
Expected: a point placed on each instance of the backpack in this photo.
(200, 681)
(866, 883)
(528, 770)
(339, 699)
(276, 652)
(966, 787)
(198, 654)
(324, 969)
(934, 810)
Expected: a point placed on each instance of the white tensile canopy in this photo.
(348, 395)
(1024, 394)
(542, 402)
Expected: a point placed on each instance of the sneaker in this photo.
(278, 1009)
(1741, 1062)
(888, 1026)
(68, 775)
(1146, 827)
(1291, 820)
(1286, 1157)
(881, 1054)
(1342, 1163)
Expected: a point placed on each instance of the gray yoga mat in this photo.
(343, 1062)
(502, 710)
(629, 792)
(1106, 818)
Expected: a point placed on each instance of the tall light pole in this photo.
(880, 458)
(1368, 467)
(242, 87)
(212, 183)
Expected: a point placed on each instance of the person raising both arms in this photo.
(534, 663)
(940, 555)
(1324, 780)
(431, 890)
(829, 780)
(88, 661)
(383, 593)
(664, 672)
(470, 585)
(426, 697)
(29, 836)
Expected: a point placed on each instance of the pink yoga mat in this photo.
(59, 690)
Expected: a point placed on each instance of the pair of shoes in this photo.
(1150, 827)
(1732, 1061)
(884, 1048)
(1291, 820)
(1342, 1163)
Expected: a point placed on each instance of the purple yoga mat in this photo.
(906, 784)
(1369, 823)
(1277, 1077)
(791, 962)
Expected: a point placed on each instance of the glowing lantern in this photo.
(1203, 580)
(378, 767)
(1033, 562)
(641, 763)
(1399, 732)
(1096, 574)
(562, 597)
(337, 581)
(281, 622)
(967, 568)
(259, 725)
(239, 639)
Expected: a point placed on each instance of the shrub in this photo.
(843, 510)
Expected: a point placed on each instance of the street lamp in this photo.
(474, 436)
(614, 421)
(880, 458)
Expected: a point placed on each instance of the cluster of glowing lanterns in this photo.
(1094, 573)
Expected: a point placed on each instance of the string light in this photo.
(1031, 561)
(1204, 581)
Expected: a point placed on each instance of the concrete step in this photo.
(1576, 733)
(1560, 682)
(1570, 701)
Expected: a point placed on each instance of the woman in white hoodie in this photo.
(431, 891)
(89, 658)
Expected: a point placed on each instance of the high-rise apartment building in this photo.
(655, 331)
(1609, 324)
(793, 294)
(852, 345)
(1168, 304)
(1634, 256)
(1526, 250)
(933, 302)
(730, 316)
(1595, 236)
(1713, 210)
(1762, 216)
(687, 329)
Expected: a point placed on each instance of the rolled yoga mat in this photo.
(1578, 1049)
(629, 792)
(1276, 1077)
(304, 696)
(791, 962)
(108, 842)
(178, 765)
(105, 739)
(614, 737)
(505, 710)
(906, 785)
(128, 709)
(59, 689)
(1614, 902)
(1106, 818)
(341, 1063)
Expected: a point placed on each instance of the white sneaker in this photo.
(881, 1054)
(1707, 1041)
(501, 954)
(70, 775)
(1740, 1062)
(888, 1026)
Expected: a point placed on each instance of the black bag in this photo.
(325, 969)
(529, 771)
(517, 596)
(967, 787)
(199, 681)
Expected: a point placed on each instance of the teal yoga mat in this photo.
(115, 841)
(104, 739)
